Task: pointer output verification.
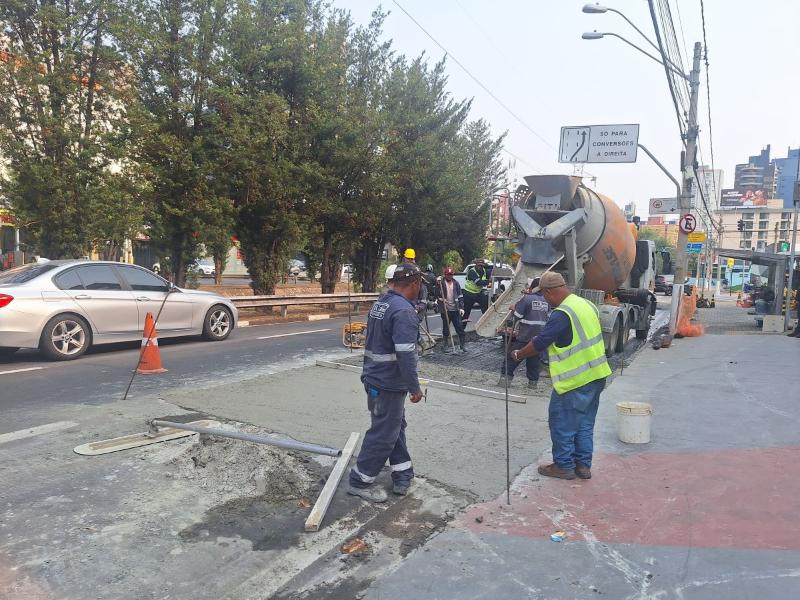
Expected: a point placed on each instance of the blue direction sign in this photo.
(694, 248)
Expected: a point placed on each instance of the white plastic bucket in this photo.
(634, 422)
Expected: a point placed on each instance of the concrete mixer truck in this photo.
(566, 227)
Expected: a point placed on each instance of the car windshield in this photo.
(25, 273)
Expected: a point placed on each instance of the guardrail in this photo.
(284, 302)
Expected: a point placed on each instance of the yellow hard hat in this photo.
(409, 253)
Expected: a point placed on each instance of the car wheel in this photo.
(65, 337)
(218, 324)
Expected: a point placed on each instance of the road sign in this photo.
(697, 236)
(599, 144)
(694, 248)
(660, 206)
(688, 223)
(730, 263)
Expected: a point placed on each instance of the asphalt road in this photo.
(29, 383)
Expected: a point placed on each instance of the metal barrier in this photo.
(284, 302)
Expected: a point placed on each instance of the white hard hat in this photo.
(390, 272)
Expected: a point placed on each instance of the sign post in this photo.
(599, 144)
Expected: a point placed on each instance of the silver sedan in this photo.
(63, 307)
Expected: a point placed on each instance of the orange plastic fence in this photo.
(688, 308)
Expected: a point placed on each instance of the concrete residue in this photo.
(224, 468)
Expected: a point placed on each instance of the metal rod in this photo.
(508, 437)
(150, 336)
(248, 437)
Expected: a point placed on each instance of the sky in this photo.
(530, 54)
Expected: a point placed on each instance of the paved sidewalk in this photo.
(707, 510)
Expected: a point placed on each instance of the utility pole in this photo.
(685, 200)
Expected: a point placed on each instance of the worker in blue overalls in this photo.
(531, 312)
(389, 375)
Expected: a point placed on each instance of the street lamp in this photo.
(597, 9)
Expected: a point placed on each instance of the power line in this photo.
(475, 79)
(708, 87)
(670, 75)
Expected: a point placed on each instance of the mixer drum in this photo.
(614, 252)
(605, 236)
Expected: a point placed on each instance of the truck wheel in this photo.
(624, 336)
(613, 340)
(641, 334)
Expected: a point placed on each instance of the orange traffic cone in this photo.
(150, 358)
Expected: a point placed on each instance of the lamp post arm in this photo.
(667, 65)
(641, 33)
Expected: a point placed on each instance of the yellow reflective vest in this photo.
(584, 360)
(476, 287)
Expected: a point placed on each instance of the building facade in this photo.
(764, 226)
(787, 176)
(660, 227)
(758, 176)
(711, 182)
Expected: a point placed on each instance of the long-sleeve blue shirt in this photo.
(558, 329)
(390, 353)
(531, 311)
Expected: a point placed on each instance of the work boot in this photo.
(553, 470)
(582, 471)
(401, 487)
(463, 349)
(502, 381)
(448, 349)
(371, 494)
(533, 384)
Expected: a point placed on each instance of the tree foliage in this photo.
(279, 122)
(64, 128)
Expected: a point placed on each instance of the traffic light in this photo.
(740, 225)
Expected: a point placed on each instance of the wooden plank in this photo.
(442, 385)
(324, 500)
(137, 440)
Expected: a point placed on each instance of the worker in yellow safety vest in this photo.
(475, 288)
(578, 368)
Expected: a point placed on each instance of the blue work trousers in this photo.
(531, 363)
(571, 419)
(384, 440)
(454, 317)
(470, 300)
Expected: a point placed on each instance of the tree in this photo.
(176, 51)
(64, 125)
(263, 79)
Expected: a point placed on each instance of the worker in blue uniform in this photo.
(389, 375)
(530, 312)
